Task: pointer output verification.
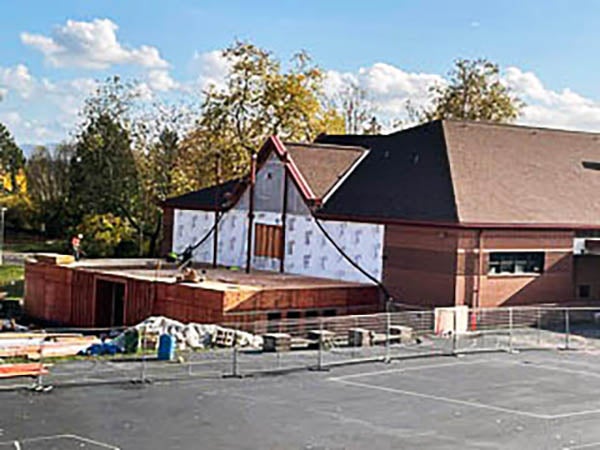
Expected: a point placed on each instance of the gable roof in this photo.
(405, 176)
(474, 173)
(315, 169)
(323, 165)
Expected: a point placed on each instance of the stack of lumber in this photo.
(22, 370)
(30, 345)
(55, 259)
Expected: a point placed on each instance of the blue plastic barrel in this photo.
(166, 347)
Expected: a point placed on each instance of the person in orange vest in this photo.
(76, 246)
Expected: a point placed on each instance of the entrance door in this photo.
(110, 304)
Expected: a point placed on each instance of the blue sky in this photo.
(51, 51)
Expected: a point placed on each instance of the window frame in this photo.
(516, 263)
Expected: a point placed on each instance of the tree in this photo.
(47, 175)
(474, 92)
(158, 156)
(259, 99)
(357, 110)
(103, 175)
(12, 161)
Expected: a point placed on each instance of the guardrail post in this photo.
(567, 329)
(510, 329)
(388, 320)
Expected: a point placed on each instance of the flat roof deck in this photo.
(221, 278)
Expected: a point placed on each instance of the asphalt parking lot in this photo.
(538, 400)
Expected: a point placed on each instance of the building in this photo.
(446, 213)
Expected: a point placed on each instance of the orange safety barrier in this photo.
(22, 370)
(473, 321)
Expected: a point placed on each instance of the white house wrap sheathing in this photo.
(307, 250)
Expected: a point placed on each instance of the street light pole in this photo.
(2, 211)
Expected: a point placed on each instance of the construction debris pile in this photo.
(37, 345)
(191, 335)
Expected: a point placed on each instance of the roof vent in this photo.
(592, 165)
(414, 158)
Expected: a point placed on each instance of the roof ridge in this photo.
(488, 123)
(330, 146)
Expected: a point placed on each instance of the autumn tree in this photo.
(47, 174)
(12, 161)
(259, 99)
(159, 162)
(474, 92)
(103, 175)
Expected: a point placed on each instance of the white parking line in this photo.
(407, 369)
(577, 447)
(17, 443)
(446, 399)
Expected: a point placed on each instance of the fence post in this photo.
(454, 335)
(567, 329)
(39, 382)
(143, 368)
(539, 326)
(320, 353)
(388, 320)
(510, 329)
(234, 362)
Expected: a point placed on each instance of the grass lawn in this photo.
(12, 280)
(58, 246)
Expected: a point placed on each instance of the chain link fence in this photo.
(320, 343)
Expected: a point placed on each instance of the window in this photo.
(584, 291)
(267, 241)
(273, 319)
(329, 313)
(293, 314)
(516, 263)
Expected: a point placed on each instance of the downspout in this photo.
(216, 225)
(251, 212)
(284, 214)
(479, 267)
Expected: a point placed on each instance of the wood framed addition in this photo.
(268, 241)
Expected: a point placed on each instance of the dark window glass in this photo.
(293, 314)
(516, 263)
(584, 291)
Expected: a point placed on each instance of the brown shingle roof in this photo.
(473, 173)
(323, 165)
(514, 174)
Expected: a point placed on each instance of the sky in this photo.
(53, 52)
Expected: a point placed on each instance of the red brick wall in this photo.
(419, 264)
(554, 285)
(437, 266)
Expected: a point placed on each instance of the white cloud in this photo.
(549, 108)
(90, 45)
(161, 80)
(16, 79)
(211, 69)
